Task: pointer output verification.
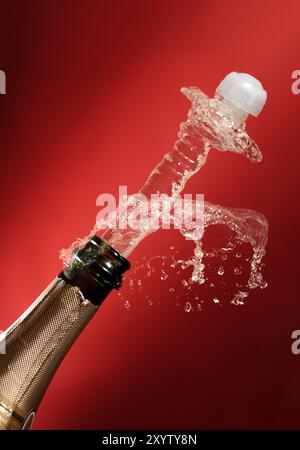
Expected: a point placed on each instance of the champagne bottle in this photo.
(38, 341)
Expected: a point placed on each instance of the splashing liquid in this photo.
(207, 127)
(211, 123)
(233, 265)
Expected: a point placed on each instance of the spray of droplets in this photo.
(212, 273)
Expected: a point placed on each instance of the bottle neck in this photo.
(95, 269)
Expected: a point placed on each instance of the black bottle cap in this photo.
(95, 269)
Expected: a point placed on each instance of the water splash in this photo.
(209, 266)
(205, 128)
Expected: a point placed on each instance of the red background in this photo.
(93, 102)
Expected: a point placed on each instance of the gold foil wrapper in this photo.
(35, 346)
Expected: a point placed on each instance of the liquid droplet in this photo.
(127, 304)
(238, 299)
(140, 285)
(188, 307)
(163, 276)
(221, 270)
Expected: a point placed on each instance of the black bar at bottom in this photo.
(192, 439)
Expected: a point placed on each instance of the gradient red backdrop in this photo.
(93, 102)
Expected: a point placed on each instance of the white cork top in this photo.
(244, 91)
